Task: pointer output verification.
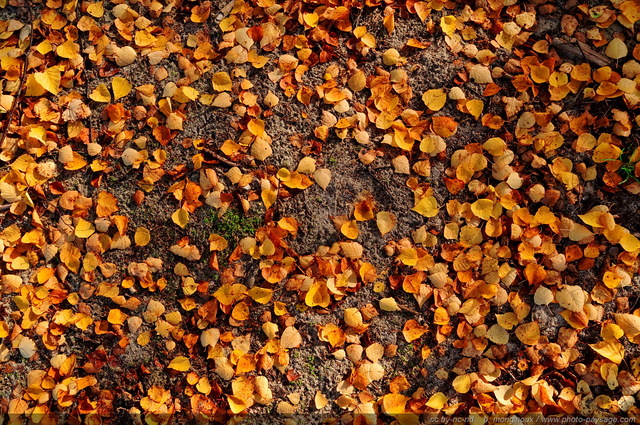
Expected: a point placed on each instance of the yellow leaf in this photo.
(394, 404)
(609, 373)
(629, 242)
(279, 308)
(142, 236)
(332, 334)
(68, 50)
(106, 204)
(475, 107)
(462, 383)
(482, 208)
(441, 316)
(210, 337)
(320, 400)
(529, 333)
(350, 229)
(101, 94)
(385, 222)
(428, 207)
(268, 197)
(290, 338)
(448, 24)
(217, 242)
(389, 304)
(592, 218)
(434, 99)
(631, 10)
(96, 10)
(189, 252)
(391, 57)
(186, 94)
(221, 81)
(116, 317)
(144, 338)
(571, 297)
(353, 318)
(579, 232)
(271, 100)
(180, 363)
(507, 320)
(495, 146)
(27, 347)
(408, 256)
(307, 165)
(498, 335)
(260, 295)
(611, 279)
(412, 330)
(49, 79)
(77, 162)
(256, 127)
(84, 229)
(629, 323)
(616, 49)
(174, 121)
(261, 149)
(236, 404)
(144, 38)
(606, 152)
(121, 87)
(125, 56)
(228, 294)
(223, 100)
(318, 294)
(180, 217)
(612, 350)
(240, 311)
(311, 19)
(611, 331)
(322, 176)
(437, 401)
(543, 296)
(33, 88)
(357, 82)
(432, 144)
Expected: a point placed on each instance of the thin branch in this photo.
(407, 309)
(23, 77)
(85, 72)
(222, 158)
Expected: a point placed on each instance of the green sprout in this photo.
(233, 225)
(629, 161)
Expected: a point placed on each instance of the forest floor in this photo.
(311, 211)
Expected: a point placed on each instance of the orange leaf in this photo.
(413, 330)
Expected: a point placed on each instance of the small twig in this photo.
(356, 21)
(5, 207)
(410, 310)
(222, 158)
(225, 11)
(23, 77)
(576, 48)
(377, 179)
(86, 66)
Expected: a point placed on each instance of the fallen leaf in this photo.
(290, 338)
(142, 236)
(180, 364)
(27, 347)
(385, 222)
